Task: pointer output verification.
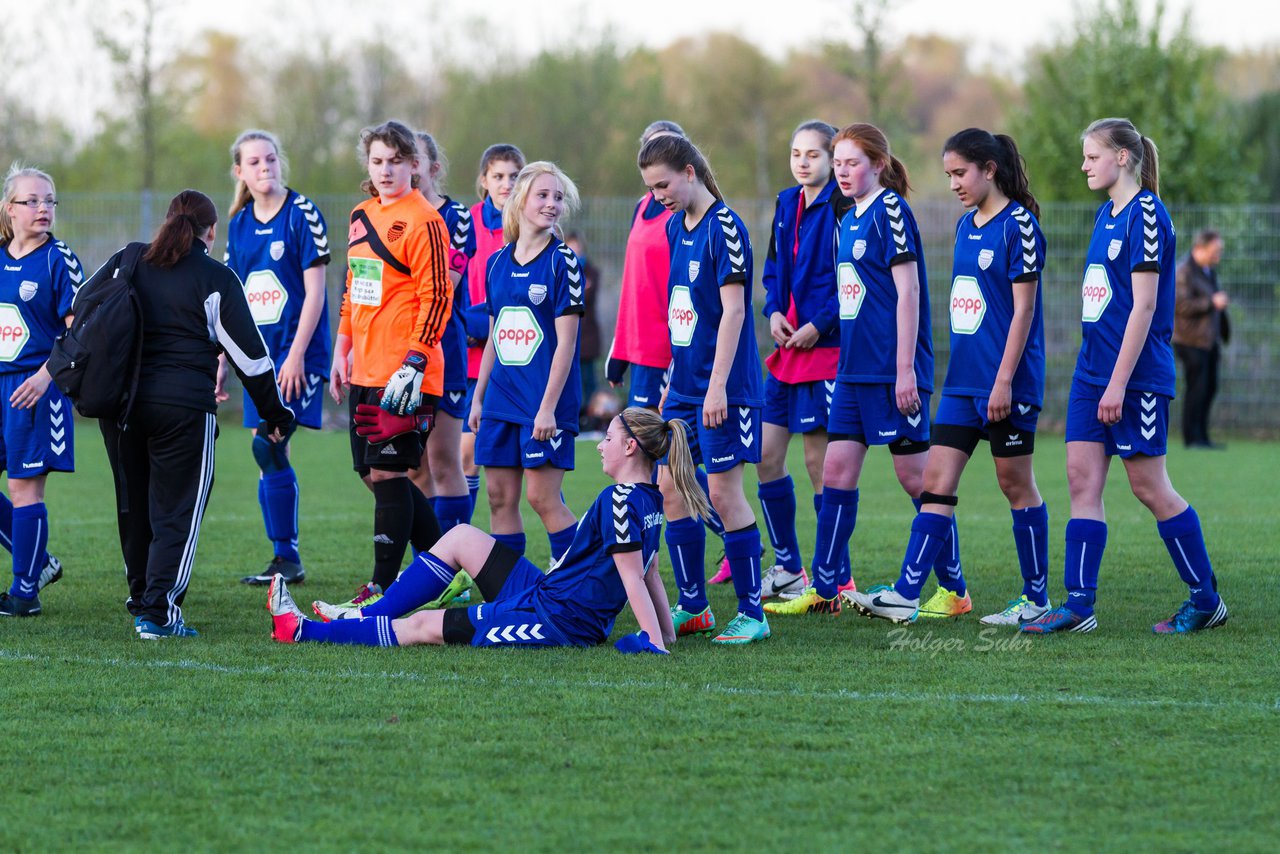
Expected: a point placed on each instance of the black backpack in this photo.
(96, 362)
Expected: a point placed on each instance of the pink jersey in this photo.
(488, 241)
(641, 336)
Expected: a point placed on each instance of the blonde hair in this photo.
(1121, 135)
(16, 171)
(658, 437)
(242, 195)
(511, 211)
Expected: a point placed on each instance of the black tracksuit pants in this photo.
(163, 468)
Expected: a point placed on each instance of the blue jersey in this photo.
(36, 293)
(875, 238)
(584, 594)
(717, 252)
(524, 301)
(988, 259)
(462, 238)
(270, 257)
(799, 266)
(1139, 238)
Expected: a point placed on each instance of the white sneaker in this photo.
(280, 600)
(1020, 612)
(779, 582)
(886, 603)
(329, 613)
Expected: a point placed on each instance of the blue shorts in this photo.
(39, 440)
(466, 404)
(508, 445)
(800, 407)
(646, 386)
(1143, 428)
(961, 422)
(511, 619)
(735, 441)
(308, 409)
(454, 402)
(868, 413)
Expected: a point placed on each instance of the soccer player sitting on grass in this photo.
(611, 562)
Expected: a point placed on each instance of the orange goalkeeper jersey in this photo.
(399, 294)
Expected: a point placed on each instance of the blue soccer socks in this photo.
(1086, 541)
(778, 504)
(687, 547)
(946, 563)
(453, 510)
(929, 535)
(368, 631)
(1185, 541)
(1031, 538)
(836, 521)
(560, 542)
(421, 582)
(742, 548)
(515, 542)
(278, 495)
(30, 535)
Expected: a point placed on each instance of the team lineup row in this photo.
(844, 283)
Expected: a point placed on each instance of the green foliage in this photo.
(1116, 63)
(231, 742)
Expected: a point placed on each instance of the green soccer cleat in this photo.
(808, 602)
(742, 630)
(460, 585)
(688, 623)
(945, 603)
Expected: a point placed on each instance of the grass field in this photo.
(838, 733)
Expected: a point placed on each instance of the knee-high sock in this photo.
(369, 631)
(687, 547)
(836, 521)
(713, 521)
(946, 563)
(1086, 541)
(560, 542)
(452, 511)
(1031, 538)
(778, 504)
(929, 534)
(846, 569)
(1184, 539)
(742, 548)
(30, 535)
(516, 542)
(392, 524)
(422, 581)
(279, 497)
(473, 489)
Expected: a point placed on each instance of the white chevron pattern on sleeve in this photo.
(312, 216)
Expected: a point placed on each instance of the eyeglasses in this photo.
(37, 203)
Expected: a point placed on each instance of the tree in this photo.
(1118, 64)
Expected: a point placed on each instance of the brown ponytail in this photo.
(190, 215)
(678, 153)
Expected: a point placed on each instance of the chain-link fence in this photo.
(95, 225)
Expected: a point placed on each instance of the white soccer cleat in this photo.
(1020, 612)
(886, 603)
(777, 582)
(280, 600)
(329, 613)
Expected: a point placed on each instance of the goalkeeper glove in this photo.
(639, 642)
(377, 425)
(403, 393)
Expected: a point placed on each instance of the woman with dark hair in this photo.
(193, 309)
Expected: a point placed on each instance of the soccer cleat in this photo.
(845, 592)
(778, 581)
(16, 606)
(1020, 612)
(52, 572)
(293, 572)
(808, 602)
(328, 613)
(743, 629)
(366, 594)
(723, 574)
(945, 603)
(1060, 619)
(461, 584)
(286, 617)
(1191, 619)
(688, 623)
(148, 630)
(886, 603)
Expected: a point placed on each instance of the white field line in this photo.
(628, 685)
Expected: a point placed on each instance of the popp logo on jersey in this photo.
(682, 318)
(1095, 293)
(14, 333)
(967, 305)
(852, 291)
(266, 295)
(516, 335)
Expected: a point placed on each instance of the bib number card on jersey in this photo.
(366, 281)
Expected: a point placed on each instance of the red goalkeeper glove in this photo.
(377, 425)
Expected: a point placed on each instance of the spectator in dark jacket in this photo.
(193, 309)
(1199, 331)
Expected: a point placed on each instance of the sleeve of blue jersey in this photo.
(898, 228)
(569, 284)
(67, 275)
(1144, 235)
(730, 247)
(488, 282)
(622, 525)
(310, 232)
(1024, 246)
(773, 299)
